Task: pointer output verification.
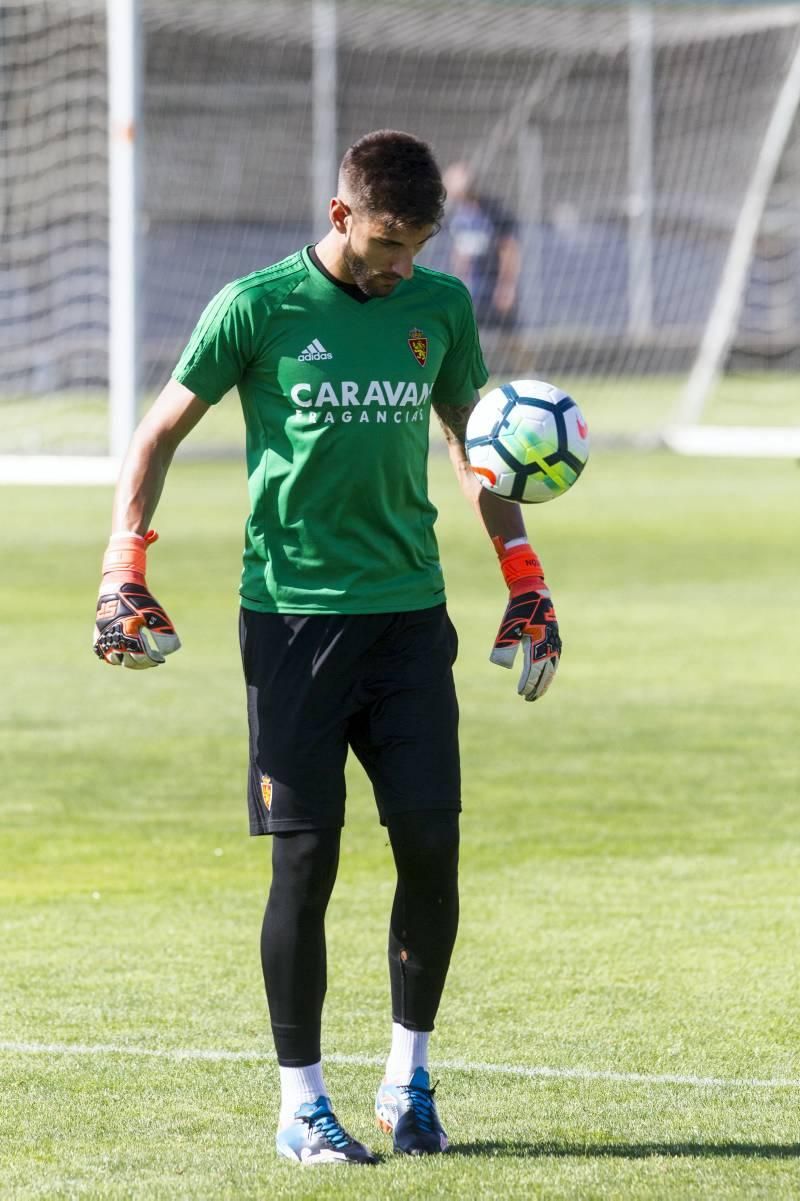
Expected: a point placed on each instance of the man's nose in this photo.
(403, 265)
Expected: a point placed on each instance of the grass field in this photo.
(629, 879)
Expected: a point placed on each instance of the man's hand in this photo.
(529, 619)
(131, 627)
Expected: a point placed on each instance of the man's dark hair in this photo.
(394, 176)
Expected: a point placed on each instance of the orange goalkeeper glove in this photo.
(529, 619)
(131, 628)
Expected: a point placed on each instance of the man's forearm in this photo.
(500, 518)
(141, 481)
(508, 263)
(176, 411)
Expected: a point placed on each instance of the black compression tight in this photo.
(421, 936)
(424, 919)
(293, 955)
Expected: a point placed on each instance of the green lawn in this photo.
(630, 865)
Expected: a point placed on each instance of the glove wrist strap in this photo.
(519, 563)
(126, 556)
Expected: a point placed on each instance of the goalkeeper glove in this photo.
(529, 619)
(131, 627)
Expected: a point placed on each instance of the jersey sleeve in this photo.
(221, 346)
(463, 370)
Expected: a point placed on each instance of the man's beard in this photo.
(372, 283)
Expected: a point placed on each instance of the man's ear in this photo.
(339, 212)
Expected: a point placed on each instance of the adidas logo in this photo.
(314, 352)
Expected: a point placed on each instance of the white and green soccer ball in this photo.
(527, 441)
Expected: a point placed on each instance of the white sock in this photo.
(297, 1086)
(409, 1051)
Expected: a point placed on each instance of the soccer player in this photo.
(338, 354)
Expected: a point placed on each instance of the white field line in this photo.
(454, 1065)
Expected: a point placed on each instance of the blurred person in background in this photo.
(485, 248)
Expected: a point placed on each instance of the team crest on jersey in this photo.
(419, 345)
(266, 791)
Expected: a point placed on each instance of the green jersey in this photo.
(336, 396)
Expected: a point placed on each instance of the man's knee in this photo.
(425, 844)
(304, 864)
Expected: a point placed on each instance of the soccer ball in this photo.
(527, 441)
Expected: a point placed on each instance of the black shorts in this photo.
(381, 683)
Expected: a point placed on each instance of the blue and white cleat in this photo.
(315, 1136)
(408, 1111)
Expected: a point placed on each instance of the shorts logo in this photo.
(266, 791)
(419, 345)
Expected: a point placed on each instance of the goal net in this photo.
(631, 228)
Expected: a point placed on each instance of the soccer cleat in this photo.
(408, 1111)
(315, 1136)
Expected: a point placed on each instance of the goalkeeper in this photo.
(338, 353)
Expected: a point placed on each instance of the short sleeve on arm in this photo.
(504, 224)
(463, 370)
(221, 346)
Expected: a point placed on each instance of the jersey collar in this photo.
(351, 290)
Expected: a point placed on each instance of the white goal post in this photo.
(687, 436)
(123, 37)
(123, 43)
(124, 131)
(81, 470)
